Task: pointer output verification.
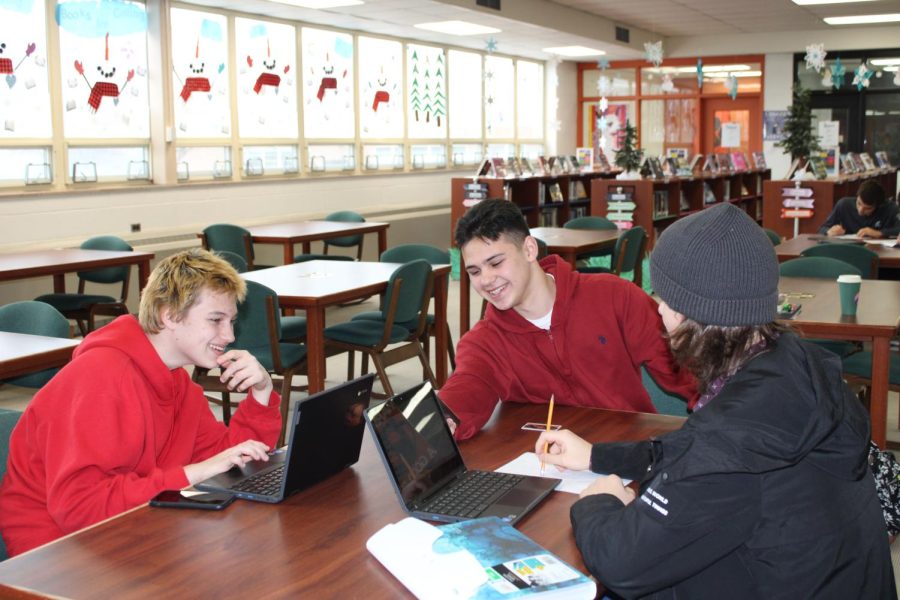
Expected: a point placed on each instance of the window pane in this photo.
(669, 80)
(332, 157)
(382, 157)
(715, 77)
(652, 127)
(531, 151)
(380, 89)
(883, 126)
(267, 96)
(103, 53)
(615, 117)
(327, 84)
(501, 150)
(25, 100)
(431, 156)
(200, 74)
(427, 109)
(270, 160)
(465, 95)
(466, 154)
(89, 164)
(619, 82)
(203, 162)
(499, 84)
(530, 99)
(25, 166)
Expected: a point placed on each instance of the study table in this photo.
(23, 353)
(287, 235)
(567, 243)
(315, 285)
(793, 248)
(877, 320)
(313, 544)
(58, 262)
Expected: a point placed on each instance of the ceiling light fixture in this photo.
(814, 2)
(457, 28)
(320, 4)
(574, 51)
(881, 62)
(863, 19)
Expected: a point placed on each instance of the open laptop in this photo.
(326, 432)
(428, 473)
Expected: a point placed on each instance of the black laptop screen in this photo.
(416, 442)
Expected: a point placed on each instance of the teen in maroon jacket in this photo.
(550, 330)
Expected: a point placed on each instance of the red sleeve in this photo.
(251, 421)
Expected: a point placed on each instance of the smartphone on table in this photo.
(188, 499)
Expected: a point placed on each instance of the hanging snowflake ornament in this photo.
(837, 73)
(602, 124)
(603, 85)
(861, 76)
(668, 85)
(827, 81)
(815, 57)
(491, 46)
(603, 64)
(653, 52)
(897, 77)
(604, 104)
(732, 86)
(700, 73)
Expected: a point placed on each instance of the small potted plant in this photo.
(628, 156)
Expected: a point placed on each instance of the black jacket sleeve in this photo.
(629, 460)
(834, 218)
(670, 532)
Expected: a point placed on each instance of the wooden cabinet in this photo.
(661, 202)
(826, 193)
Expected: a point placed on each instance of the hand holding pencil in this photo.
(563, 449)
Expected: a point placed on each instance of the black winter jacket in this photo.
(764, 493)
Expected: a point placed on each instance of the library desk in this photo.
(793, 248)
(877, 320)
(23, 353)
(23, 265)
(304, 232)
(312, 544)
(315, 285)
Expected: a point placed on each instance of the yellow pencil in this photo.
(549, 423)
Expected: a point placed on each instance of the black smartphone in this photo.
(204, 501)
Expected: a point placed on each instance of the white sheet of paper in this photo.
(573, 482)
(731, 135)
(889, 243)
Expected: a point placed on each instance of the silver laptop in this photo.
(428, 473)
(326, 432)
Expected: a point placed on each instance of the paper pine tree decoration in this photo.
(628, 156)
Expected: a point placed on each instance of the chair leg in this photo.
(285, 403)
(426, 366)
(425, 343)
(364, 368)
(382, 375)
(451, 351)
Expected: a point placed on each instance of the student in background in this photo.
(870, 214)
(765, 492)
(550, 330)
(123, 421)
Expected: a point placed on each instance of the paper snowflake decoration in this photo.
(603, 105)
(603, 85)
(815, 57)
(653, 52)
(700, 73)
(837, 73)
(896, 77)
(732, 86)
(861, 76)
(668, 85)
(491, 45)
(603, 64)
(602, 124)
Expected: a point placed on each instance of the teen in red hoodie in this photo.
(550, 330)
(123, 421)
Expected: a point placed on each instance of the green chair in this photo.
(665, 403)
(435, 256)
(8, 420)
(308, 257)
(230, 238)
(858, 369)
(598, 223)
(37, 318)
(258, 330)
(235, 260)
(822, 267)
(347, 241)
(84, 308)
(405, 302)
(774, 237)
(859, 256)
(627, 255)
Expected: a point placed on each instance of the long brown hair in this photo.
(711, 351)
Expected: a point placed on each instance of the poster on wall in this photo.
(731, 135)
(829, 134)
(773, 125)
(614, 130)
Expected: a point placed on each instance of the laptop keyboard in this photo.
(470, 496)
(264, 484)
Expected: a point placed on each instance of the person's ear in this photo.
(531, 248)
(167, 317)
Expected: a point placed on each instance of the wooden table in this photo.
(887, 257)
(877, 320)
(315, 285)
(23, 353)
(304, 232)
(22, 265)
(567, 243)
(312, 544)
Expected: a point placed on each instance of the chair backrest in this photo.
(106, 274)
(664, 402)
(258, 326)
(415, 276)
(409, 252)
(37, 318)
(230, 238)
(8, 420)
(235, 260)
(589, 223)
(860, 257)
(773, 237)
(821, 267)
(629, 250)
(347, 241)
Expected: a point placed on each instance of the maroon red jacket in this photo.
(602, 330)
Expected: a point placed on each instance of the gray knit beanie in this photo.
(717, 267)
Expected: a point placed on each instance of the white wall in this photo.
(779, 72)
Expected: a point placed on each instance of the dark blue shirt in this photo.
(885, 218)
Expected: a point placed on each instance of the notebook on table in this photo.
(326, 432)
(427, 471)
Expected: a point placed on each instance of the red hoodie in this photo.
(114, 428)
(602, 330)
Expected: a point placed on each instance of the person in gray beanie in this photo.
(765, 491)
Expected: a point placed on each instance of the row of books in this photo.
(828, 163)
(552, 193)
(677, 165)
(515, 167)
